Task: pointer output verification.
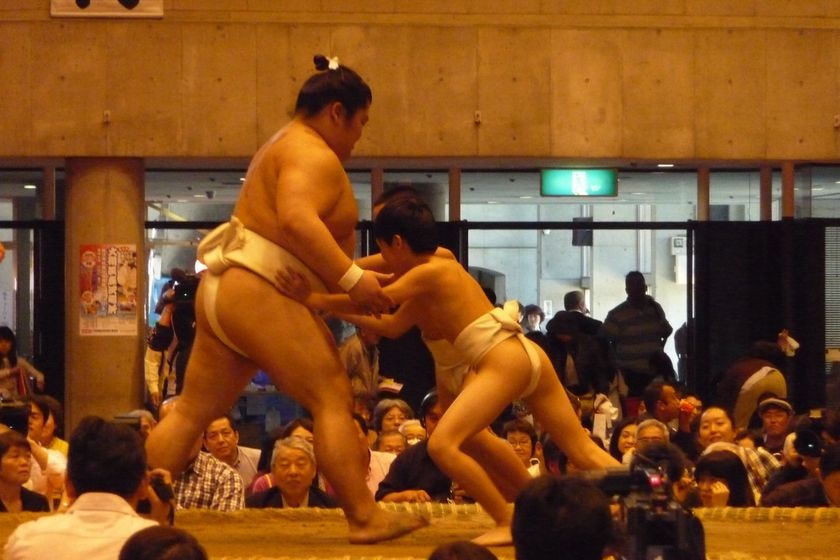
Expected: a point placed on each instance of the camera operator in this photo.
(174, 332)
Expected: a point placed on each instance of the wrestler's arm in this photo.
(391, 325)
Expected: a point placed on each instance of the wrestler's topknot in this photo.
(332, 82)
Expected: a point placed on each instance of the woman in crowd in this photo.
(723, 480)
(623, 438)
(15, 465)
(390, 413)
(16, 374)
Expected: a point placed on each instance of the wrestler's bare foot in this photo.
(386, 525)
(498, 536)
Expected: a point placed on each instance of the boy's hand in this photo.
(293, 284)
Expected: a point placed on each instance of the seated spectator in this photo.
(623, 438)
(776, 415)
(413, 476)
(522, 436)
(15, 464)
(221, 439)
(162, 543)
(801, 459)
(462, 550)
(48, 465)
(294, 468)
(390, 442)
(555, 462)
(561, 519)
(662, 402)
(106, 477)
(821, 491)
(360, 357)
(299, 427)
(413, 431)
(716, 432)
(206, 482)
(722, 480)
(146, 419)
(647, 432)
(379, 462)
(390, 413)
(48, 414)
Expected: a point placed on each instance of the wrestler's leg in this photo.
(551, 407)
(298, 353)
(499, 378)
(214, 379)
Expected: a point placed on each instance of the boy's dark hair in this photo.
(462, 550)
(162, 543)
(11, 439)
(342, 85)
(394, 192)
(105, 457)
(561, 519)
(410, 218)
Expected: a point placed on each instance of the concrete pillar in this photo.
(788, 184)
(703, 185)
(765, 193)
(104, 207)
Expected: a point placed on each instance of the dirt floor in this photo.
(742, 534)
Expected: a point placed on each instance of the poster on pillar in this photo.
(108, 290)
(106, 8)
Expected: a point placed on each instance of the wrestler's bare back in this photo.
(296, 192)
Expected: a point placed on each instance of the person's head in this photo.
(146, 421)
(462, 550)
(431, 409)
(715, 425)
(651, 431)
(575, 301)
(293, 467)
(561, 519)
(830, 473)
(391, 441)
(405, 223)
(725, 467)
(413, 431)
(623, 438)
(340, 95)
(555, 460)
(522, 436)
(46, 417)
(563, 326)
(105, 457)
(301, 427)
(807, 449)
(8, 345)
(775, 416)
(661, 400)
(634, 284)
(390, 413)
(221, 439)
(15, 458)
(162, 543)
(533, 316)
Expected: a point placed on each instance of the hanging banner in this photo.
(106, 8)
(108, 290)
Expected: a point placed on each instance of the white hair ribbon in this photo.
(333, 63)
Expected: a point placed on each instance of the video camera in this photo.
(655, 525)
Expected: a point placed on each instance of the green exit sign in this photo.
(578, 182)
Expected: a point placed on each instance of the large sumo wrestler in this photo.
(296, 206)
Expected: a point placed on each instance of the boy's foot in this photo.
(385, 525)
(498, 536)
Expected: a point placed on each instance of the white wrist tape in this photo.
(351, 277)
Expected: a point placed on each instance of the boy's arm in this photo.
(377, 263)
(388, 325)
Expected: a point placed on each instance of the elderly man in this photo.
(293, 467)
(221, 439)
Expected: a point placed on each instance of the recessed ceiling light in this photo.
(242, 179)
(664, 165)
(29, 187)
(637, 193)
(199, 196)
(525, 197)
(818, 189)
(492, 202)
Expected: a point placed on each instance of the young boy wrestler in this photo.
(480, 353)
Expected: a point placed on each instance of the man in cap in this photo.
(776, 415)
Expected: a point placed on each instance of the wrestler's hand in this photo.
(368, 293)
(293, 284)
